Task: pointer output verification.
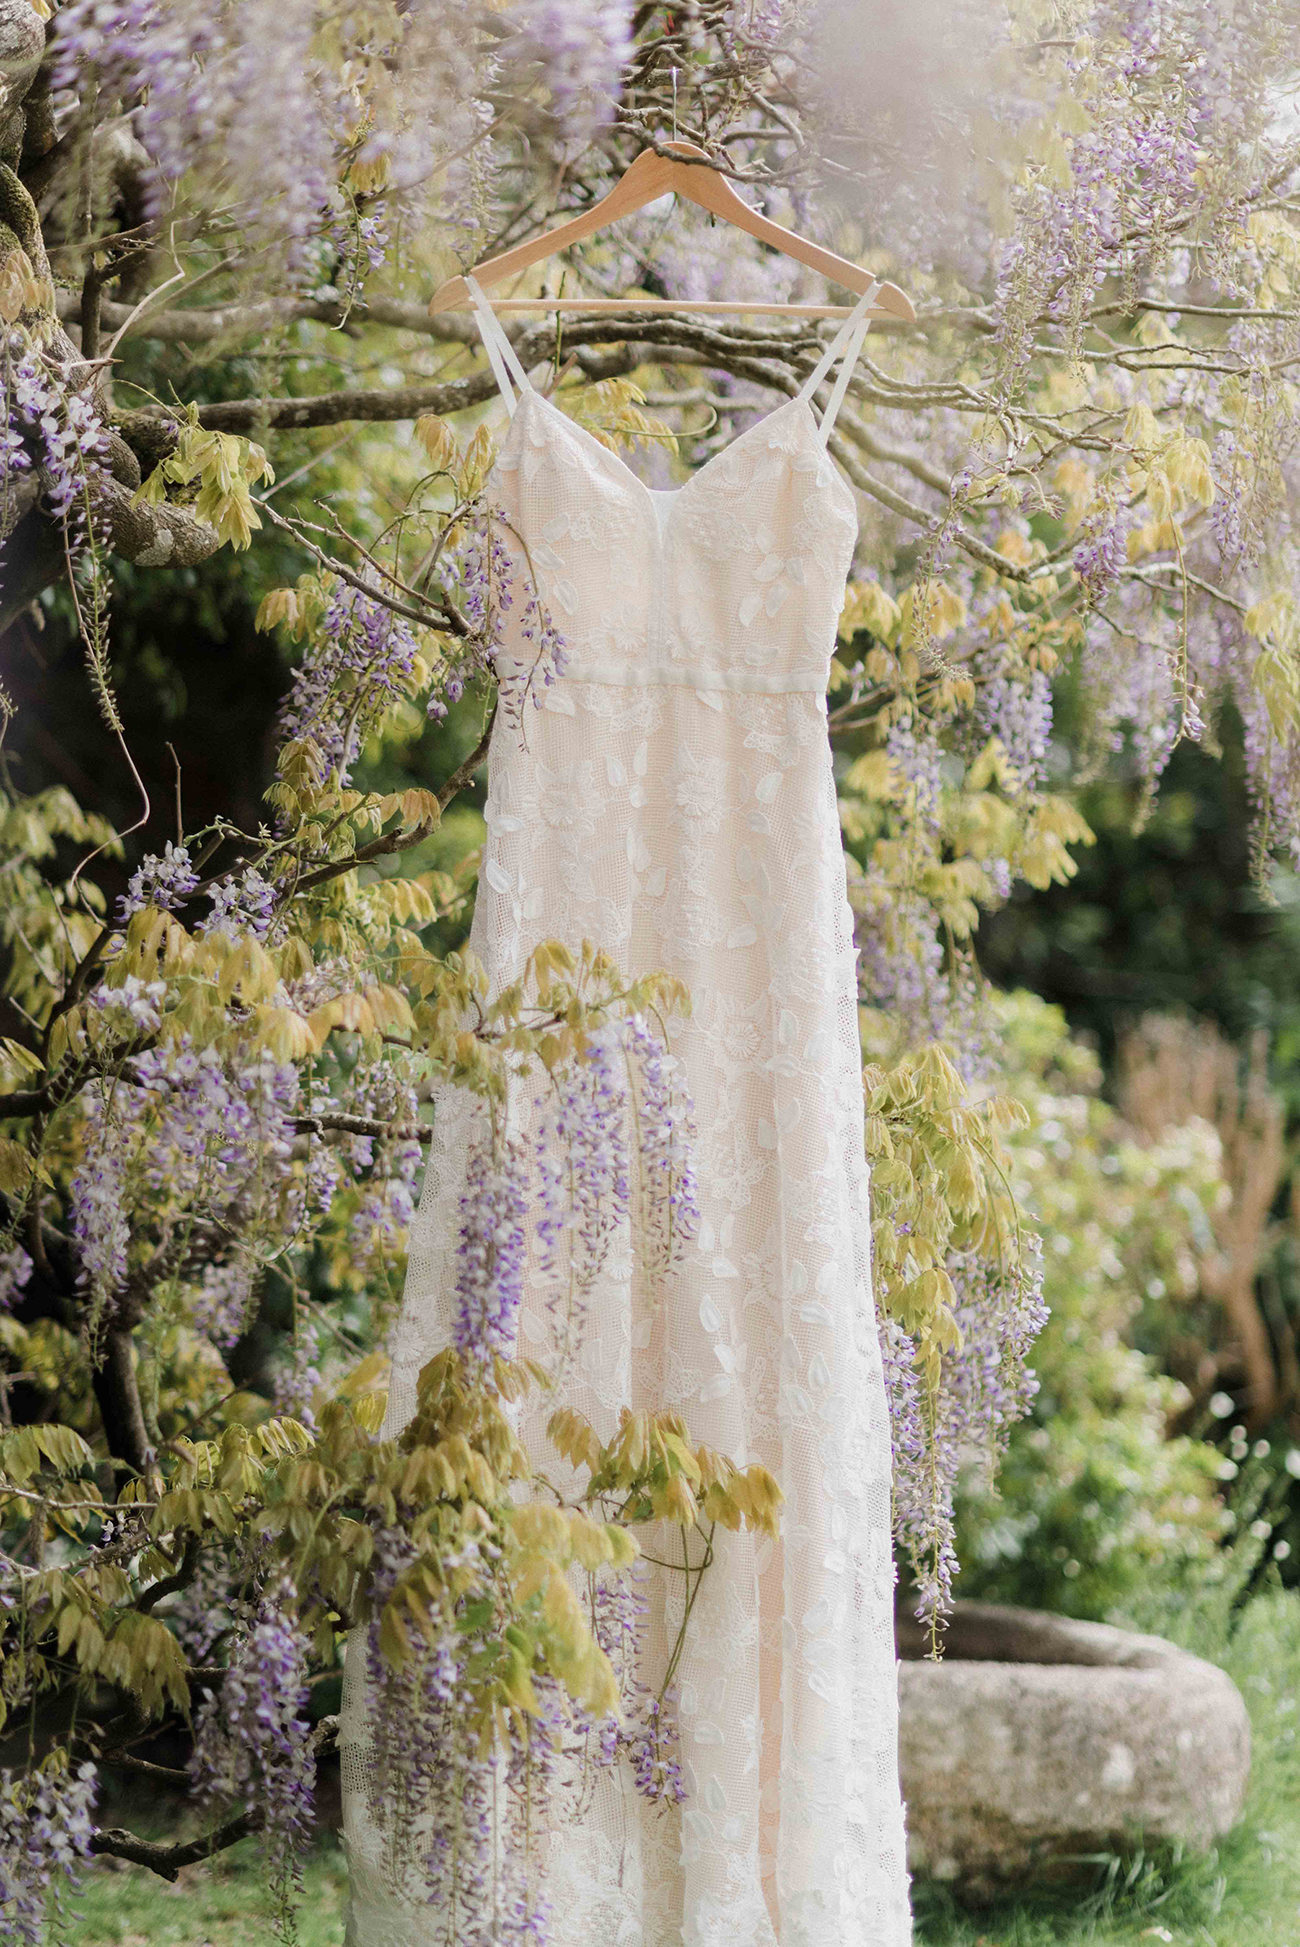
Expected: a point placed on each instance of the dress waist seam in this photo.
(675, 676)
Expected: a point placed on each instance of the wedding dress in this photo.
(673, 801)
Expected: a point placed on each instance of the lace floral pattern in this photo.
(691, 824)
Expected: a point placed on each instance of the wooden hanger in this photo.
(651, 176)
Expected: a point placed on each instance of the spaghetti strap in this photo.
(502, 354)
(849, 341)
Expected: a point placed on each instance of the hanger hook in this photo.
(674, 104)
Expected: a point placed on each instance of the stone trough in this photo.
(1035, 1737)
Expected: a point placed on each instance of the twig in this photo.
(180, 823)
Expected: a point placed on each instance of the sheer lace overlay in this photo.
(674, 801)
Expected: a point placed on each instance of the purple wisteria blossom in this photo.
(97, 1198)
(218, 1134)
(361, 660)
(514, 633)
(1015, 706)
(221, 1302)
(492, 1253)
(582, 1177)
(456, 1814)
(670, 1211)
(132, 1009)
(1101, 552)
(15, 1270)
(196, 82)
(612, 1150)
(297, 1377)
(163, 879)
(579, 49)
(900, 959)
(381, 1219)
(188, 1134)
(1131, 698)
(200, 1613)
(45, 1833)
(243, 903)
(386, 1166)
(647, 1734)
(654, 1748)
(252, 1739)
(980, 1397)
(1174, 86)
(55, 429)
(915, 756)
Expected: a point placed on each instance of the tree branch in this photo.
(382, 404)
(167, 1860)
(117, 1395)
(402, 841)
(24, 1102)
(361, 1125)
(465, 770)
(373, 404)
(444, 398)
(151, 534)
(228, 323)
(170, 1583)
(378, 848)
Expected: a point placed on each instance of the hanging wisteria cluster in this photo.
(944, 1436)
(252, 1743)
(458, 1813)
(362, 660)
(463, 1817)
(51, 432)
(364, 663)
(46, 1827)
(1159, 151)
(610, 1153)
(209, 92)
(578, 52)
(494, 580)
(203, 1144)
(612, 1159)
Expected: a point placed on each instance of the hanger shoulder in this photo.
(714, 193)
(648, 178)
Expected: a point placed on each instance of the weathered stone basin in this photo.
(1036, 1737)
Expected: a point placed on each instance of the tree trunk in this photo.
(118, 1397)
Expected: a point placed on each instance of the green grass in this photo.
(1244, 1894)
(220, 1903)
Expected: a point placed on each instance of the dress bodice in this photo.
(734, 580)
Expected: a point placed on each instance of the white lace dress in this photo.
(675, 803)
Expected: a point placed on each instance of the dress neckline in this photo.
(671, 494)
(845, 347)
